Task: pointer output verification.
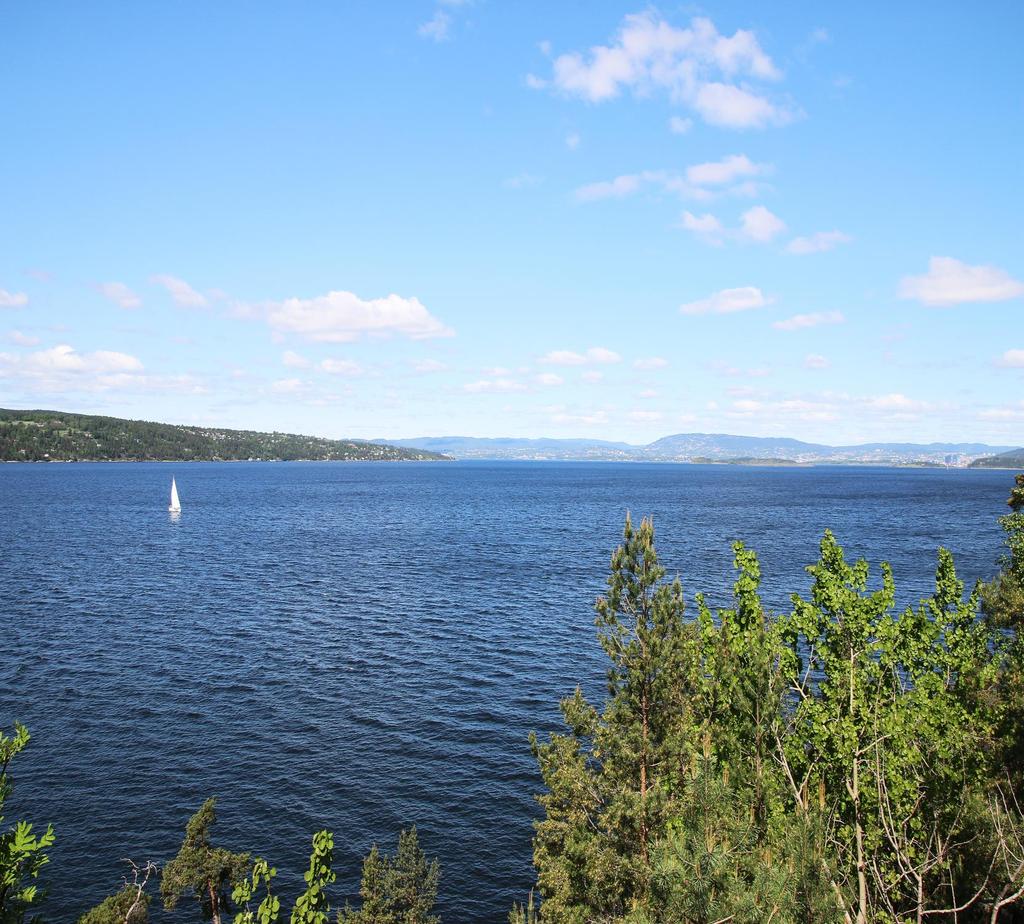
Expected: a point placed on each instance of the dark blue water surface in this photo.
(364, 646)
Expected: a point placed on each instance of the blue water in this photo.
(364, 646)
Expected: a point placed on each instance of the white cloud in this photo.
(437, 28)
(288, 386)
(563, 358)
(120, 294)
(897, 403)
(700, 181)
(815, 319)
(952, 282)
(182, 293)
(1011, 412)
(729, 106)
(341, 367)
(818, 242)
(758, 224)
(727, 301)
(294, 360)
(549, 378)
(646, 416)
(522, 181)
(816, 361)
(648, 393)
(12, 299)
(726, 170)
(340, 317)
(1012, 359)
(648, 54)
(598, 355)
(592, 376)
(705, 226)
(650, 362)
(572, 141)
(560, 415)
(426, 366)
(679, 126)
(494, 386)
(610, 189)
(16, 336)
(63, 369)
(64, 358)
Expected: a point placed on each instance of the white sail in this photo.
(175, 506)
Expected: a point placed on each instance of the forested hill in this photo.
(1014, 459)
(55, 436)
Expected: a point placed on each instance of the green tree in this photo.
(398, 890)
(22, 853)
(130, 905)
(269, 907)
(205, 871)
(733, 851)
(120, 908)
(609, 780)
(1003, 597)
(524, 914)
(843, 762)
(312, 906)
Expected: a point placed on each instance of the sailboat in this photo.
(175, 505)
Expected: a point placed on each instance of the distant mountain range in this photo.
(716, 447)
(61, 436)
(57, 436)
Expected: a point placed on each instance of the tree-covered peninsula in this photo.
(56, 436)
(842, 763)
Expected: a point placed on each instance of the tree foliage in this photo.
(397, 890)
(208, 873)
(39, 436)
(130, 905)
(843, 762)
(22, 852)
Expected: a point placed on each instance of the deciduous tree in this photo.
(22, 853)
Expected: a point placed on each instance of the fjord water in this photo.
(365, 646)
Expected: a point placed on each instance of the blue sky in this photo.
(530, 219)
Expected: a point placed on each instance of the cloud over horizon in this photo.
(341, 317)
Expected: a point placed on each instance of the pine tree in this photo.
(398, 890)
(130, 905)
(207, 872)
(610, 779)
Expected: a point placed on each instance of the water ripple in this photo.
(367, 646)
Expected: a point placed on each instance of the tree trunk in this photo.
(853, 788)
(644, 707)
(214, 903)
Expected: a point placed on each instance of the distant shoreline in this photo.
(206, 461)
(720, 463)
